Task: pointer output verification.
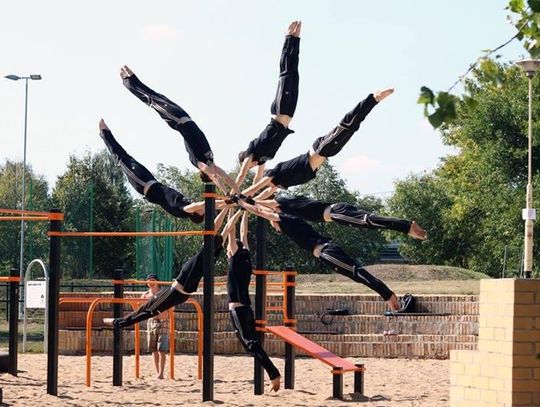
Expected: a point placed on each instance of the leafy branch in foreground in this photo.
(440, 107)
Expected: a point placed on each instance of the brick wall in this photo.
(504, 371)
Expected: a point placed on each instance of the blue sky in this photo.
(219, 60)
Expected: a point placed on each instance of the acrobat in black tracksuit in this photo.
(195, 141)
(140, 178)
(189, 277)
(243, 320)
(298, 171)
(343, 213)
(265, 147)
(331, 254)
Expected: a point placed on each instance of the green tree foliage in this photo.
(471, 205)
(328, 186)
(93, 196)
(440, 107)
(36, 198)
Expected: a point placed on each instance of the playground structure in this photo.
(504, 370)
(288, 334)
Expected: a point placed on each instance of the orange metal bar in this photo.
(172, 343)
(36, 218)
(200, 335)
(141, 282)
(268, 272)
(285, 297)
(137, 348)
(95, 301)
(10, 279)
(35, 213)
(128, 234)
(89, 315)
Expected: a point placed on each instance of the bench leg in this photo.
(337, 384)
(359, 380)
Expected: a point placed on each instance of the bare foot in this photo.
(294, 29)
(382, 94)
(393, 303)
(275, 384)
(298, 29)
(291, 28)
(108, 321)
(103, 126)
(417, 232)
(160, 377)
(125, 72)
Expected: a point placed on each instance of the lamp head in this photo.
(12, 77)
(530, 66)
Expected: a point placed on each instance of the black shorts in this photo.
(169, 199)
(265, 147)
(296, 171)
(198, 150)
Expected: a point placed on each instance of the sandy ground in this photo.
(391, 382)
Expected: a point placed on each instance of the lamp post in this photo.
(530, 66)
(34, 77)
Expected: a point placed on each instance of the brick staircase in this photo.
(360, 334)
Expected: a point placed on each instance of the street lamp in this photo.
(34, 77)
(530, 66)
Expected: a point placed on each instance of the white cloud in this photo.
(160, 32)
(359, 164)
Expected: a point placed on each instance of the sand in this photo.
(390, 382)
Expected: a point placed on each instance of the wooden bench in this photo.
(338, 364)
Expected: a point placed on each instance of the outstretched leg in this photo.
(165, 299)
(138, 175)
(332, 143)
(284, 104)
(350, 215)
(176, 117)
(334, 256)
(243, 322)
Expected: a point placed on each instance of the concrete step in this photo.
(318, 303)
(407, 346)
(350, 324)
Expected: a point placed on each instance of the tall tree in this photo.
(478, 194)
(36, 198)
(93, 196)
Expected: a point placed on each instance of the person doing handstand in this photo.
(303, 168)
(314, 210)
(266, 145)
(197, 146)
(324, 249)
(238, 279)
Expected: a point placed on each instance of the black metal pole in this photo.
(260, 300)
(13, 322)
(208, 295)
(290, 352)
(118, 335)
(7, 302)
(54, 288)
